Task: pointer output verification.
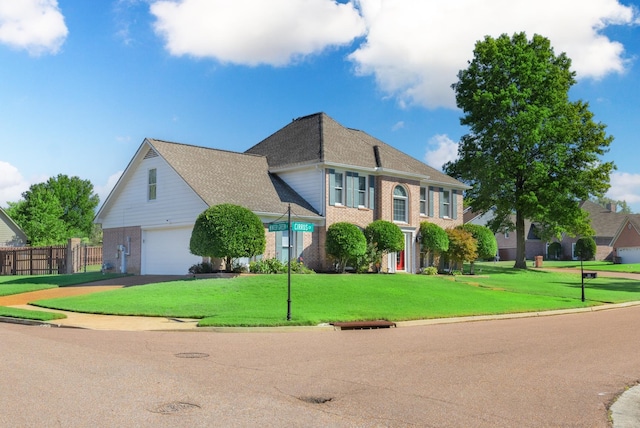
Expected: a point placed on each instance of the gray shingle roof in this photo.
(604, 222)
(220, 176)
(318, 138)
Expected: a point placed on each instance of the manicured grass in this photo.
(261, 300)
(25, 283)
(30, 315)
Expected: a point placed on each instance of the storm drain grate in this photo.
(175, 407)
(192, 355)
(315, 399)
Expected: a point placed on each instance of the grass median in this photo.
(261, 300)
(10, 285)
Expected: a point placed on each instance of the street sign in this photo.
(278, 227)
(297, 226)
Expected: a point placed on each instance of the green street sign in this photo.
(301, 227)
(278, 227)
(296, 226)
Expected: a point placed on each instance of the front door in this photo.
(400, 260)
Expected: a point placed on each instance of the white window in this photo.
(338, 188)
(351, 189)
(362, 191)
(400, 202)
(423, 201)
(446, 203)
(152, 185)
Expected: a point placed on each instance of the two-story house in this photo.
(325, 172)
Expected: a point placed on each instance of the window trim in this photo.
(424, 207)
(405, 199)
(355, 190)
(152, 186)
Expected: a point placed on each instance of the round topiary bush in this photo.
(345, 241)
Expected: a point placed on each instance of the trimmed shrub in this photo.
(487, 246)
(431, 270)
(585, 248)
(227, 231)
(434, 240)
(345, 242)
(203, 267)
(554, 251)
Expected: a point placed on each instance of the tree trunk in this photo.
(521, 262)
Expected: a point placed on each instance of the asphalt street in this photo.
(556, 371)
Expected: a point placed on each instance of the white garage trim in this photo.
(629, 254)
(166, 251)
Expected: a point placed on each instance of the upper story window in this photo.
(400, 203)
(445, 203)
(448, 204)
(351, 189)
(423, 201)
(152, 184)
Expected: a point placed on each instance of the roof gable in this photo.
(318, 138)
(604, 222)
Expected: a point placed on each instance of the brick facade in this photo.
(111, 238)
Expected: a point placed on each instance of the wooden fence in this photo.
(71, 258)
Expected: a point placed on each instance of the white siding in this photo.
(176, 203)
(309, 184)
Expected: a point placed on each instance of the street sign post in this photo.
(297, 226)
(278, 227)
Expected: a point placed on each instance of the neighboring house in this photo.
(605, 222)
(10, 233)
(327, 173)
(506, 240)
(626, 242)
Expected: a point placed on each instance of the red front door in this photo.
(400, 260)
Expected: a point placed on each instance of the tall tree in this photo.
(530, 150)
(78, 202)
(39, 215)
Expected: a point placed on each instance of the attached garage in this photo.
(166, 251)
(629, 254)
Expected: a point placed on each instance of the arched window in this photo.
(400, 203)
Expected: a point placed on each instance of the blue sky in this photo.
(82, 83)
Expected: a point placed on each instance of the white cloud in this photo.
(625, 187)
(104, 190)
(12, 184)
(415, 48)
(398, 125)
(249, 32)
(441, 149)
(34, 25)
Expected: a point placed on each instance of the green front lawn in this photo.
(261, 300)
(30, 315)
(24, 283)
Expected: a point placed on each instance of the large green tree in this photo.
(51, 212)
(529, 150)
(227, 231)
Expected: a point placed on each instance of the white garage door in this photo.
(166, 252)
(629, 254)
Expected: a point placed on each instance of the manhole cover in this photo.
(175, 407)
(192, 355)
(315, 400)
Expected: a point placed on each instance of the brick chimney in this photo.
(611, 206)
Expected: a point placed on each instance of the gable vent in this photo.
(151, 154)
